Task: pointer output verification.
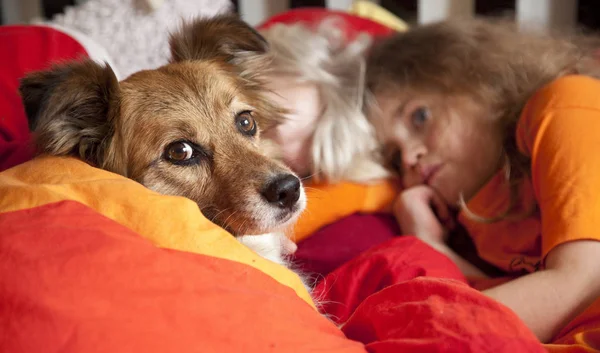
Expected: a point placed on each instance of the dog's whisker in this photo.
(242, 229)
(315, 192)
(307, 212)
(308, 176)
(218, 213)
(226, 225)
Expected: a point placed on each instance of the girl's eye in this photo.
(420, 116)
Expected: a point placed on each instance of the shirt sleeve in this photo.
(559, 130)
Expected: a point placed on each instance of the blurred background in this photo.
(549, 13)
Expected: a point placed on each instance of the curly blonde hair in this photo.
(490, 60)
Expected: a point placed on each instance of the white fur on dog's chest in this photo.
(275, 247)
(272, 246)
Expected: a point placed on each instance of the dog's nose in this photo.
(283, 191)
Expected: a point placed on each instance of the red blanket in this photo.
(76, 281)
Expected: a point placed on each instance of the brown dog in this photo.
(190, 128)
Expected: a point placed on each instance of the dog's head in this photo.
(190, 128)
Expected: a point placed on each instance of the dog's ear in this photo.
(70, 108)
(225, 37)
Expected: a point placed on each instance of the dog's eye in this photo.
(186, 153)
(179, 152)
(246, 123)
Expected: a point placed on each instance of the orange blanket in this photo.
(50, 180)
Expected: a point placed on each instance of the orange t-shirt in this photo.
(559, 129)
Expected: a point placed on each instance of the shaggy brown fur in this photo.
(189, 128)
(491, 63)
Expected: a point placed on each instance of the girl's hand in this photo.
(420, 211)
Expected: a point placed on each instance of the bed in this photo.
(94, 262)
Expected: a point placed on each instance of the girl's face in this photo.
(448, 143)
(294, 135)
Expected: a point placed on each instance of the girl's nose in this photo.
(411, 158)
(412, 154)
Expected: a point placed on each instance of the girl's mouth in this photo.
(430, 173)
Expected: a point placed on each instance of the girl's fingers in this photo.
(440, 208)
(449, 224)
